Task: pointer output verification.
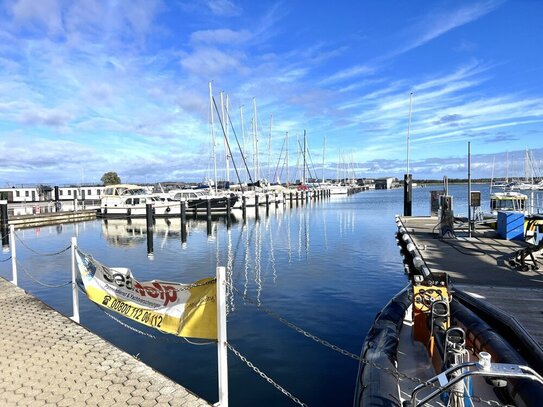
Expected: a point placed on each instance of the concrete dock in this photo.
(479, 266)
(47, 359)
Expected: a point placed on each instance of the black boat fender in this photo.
(379, 386)
(486, 338)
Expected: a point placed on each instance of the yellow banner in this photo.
(180, 309)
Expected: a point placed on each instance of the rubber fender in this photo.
(379, 387)
(484, 337)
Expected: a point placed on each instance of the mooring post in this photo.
(208, 209)
(222, 349)
(244, 206)
(75, 293)
(256, 204)
(407, 195)
(149, 222)
(276, 199)
(183, 221)
(291, 199)
(13, 254)
(4, 216)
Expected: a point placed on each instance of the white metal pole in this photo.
(75, 293)
(13, 254)
(409, 129)
(222, 337)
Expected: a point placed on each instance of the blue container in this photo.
(511, 225)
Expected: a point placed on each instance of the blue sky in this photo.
(93, 86)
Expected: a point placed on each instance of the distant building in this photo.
(45, 193)
(384, 183)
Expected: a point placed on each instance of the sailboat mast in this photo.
(288, 179)
(255, 142)
(213, 137)
(303, 177)
(323, 152)
(228, 158)
(269, 147)
(243, 135)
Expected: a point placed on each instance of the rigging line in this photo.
(279, 160)
(306, 163)
(240, 149)
(311, 159)
(226, 140)
(4, 260)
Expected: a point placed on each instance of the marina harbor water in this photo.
(325, 269)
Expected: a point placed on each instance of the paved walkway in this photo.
(48, 360)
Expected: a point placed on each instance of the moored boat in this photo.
(127, 200)
(433, 344)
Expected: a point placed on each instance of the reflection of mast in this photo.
(230, 271)
(258, 255)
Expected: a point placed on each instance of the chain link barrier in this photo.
(264, 376)
(40, 282)
(148, 335)
(396, 373)
(39, 253)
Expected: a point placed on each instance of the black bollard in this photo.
(149, 224)
(256, 205)
(4, 220)
(244, 206)
(407, 195)
(291, 199)
(183, 221)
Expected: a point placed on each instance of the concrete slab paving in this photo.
(46, 359)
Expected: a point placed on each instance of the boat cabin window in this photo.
(508, 204)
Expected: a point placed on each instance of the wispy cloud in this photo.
(437, 24)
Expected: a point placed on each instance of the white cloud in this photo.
(211, 62)
(223, 8)
(220, 36)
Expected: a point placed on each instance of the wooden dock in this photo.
(47, 359)
(479, 266)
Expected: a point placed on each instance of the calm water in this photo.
(328, 268)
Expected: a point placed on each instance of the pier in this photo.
(478, 265)
(47, 359)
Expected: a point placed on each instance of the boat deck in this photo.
(47, 359)
(478, 265)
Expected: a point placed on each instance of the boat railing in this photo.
(456, 374)
(535, 202)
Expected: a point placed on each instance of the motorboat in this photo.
(508, 201)
(435, 345)
(128, 200)
(199, 200)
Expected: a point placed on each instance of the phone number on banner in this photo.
(146, 317)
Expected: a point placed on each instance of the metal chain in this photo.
(39, 282)
(166, 340)
(264, 376)
(394, 372)
(39, 253)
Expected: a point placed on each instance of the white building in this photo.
(42, 193)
